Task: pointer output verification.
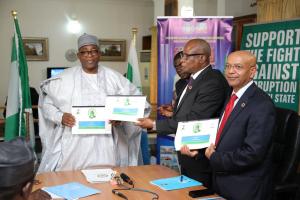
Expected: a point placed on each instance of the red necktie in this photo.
(227, 112)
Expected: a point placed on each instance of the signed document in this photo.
(125, 108)
(90, 120)
(196, 134)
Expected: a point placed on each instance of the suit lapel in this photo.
(195, 84)
(238, 108)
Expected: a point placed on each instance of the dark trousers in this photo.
(196, 168)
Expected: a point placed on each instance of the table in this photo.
(141, 175)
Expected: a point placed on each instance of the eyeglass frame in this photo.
(186, 55)
(236, 67)
(92, 52)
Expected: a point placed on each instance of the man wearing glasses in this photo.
(85, 85)
(202, 98)
(241, 157)
(180, 80)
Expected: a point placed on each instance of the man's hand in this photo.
(210, 150)
(68, 120)
(39, 195)
(186, 151)
(166, 110)
(145, 123)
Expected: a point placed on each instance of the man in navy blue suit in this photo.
(241, 156)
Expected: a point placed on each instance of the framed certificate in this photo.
(196, 134)
(90, 120)
(125, 108)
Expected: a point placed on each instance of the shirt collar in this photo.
(199, 72)
(241, 91)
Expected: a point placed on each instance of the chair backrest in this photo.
(286, 145)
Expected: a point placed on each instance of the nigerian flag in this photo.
(133, 72)
(17, 122)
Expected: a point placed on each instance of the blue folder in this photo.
(71, 191)
(175, 183)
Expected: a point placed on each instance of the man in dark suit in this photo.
(241, 156)
(202, 98)
(167, 109)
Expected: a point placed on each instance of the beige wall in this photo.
(205, 7)
(238, 8)
(48, 18)
(234, 8)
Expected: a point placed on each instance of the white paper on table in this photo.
(98, 175)
(125, 108)
(90, 120)
(196, 134)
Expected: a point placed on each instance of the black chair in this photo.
(286, 153)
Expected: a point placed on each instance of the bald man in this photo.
(241, 157)
(202, 98)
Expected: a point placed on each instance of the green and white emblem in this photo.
(196, 128)
(92, 113)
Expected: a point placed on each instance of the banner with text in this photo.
(174, 32)
(276, 46)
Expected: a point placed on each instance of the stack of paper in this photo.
(98, 175)
(71, 191)
(175, 183)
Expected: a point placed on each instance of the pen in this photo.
(179, 169)
(119, 194)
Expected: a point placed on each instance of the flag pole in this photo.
(134, 33)
(14, 14)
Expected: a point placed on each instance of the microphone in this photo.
(120, 194)
(126, 179)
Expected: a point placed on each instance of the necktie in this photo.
(189, 87)
(190, 84)
(227, 112)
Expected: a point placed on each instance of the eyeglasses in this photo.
(236, 67)
(186, 55)
(93, 52)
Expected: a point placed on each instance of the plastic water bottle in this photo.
(153, 160)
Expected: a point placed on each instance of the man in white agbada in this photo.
(86, 85)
